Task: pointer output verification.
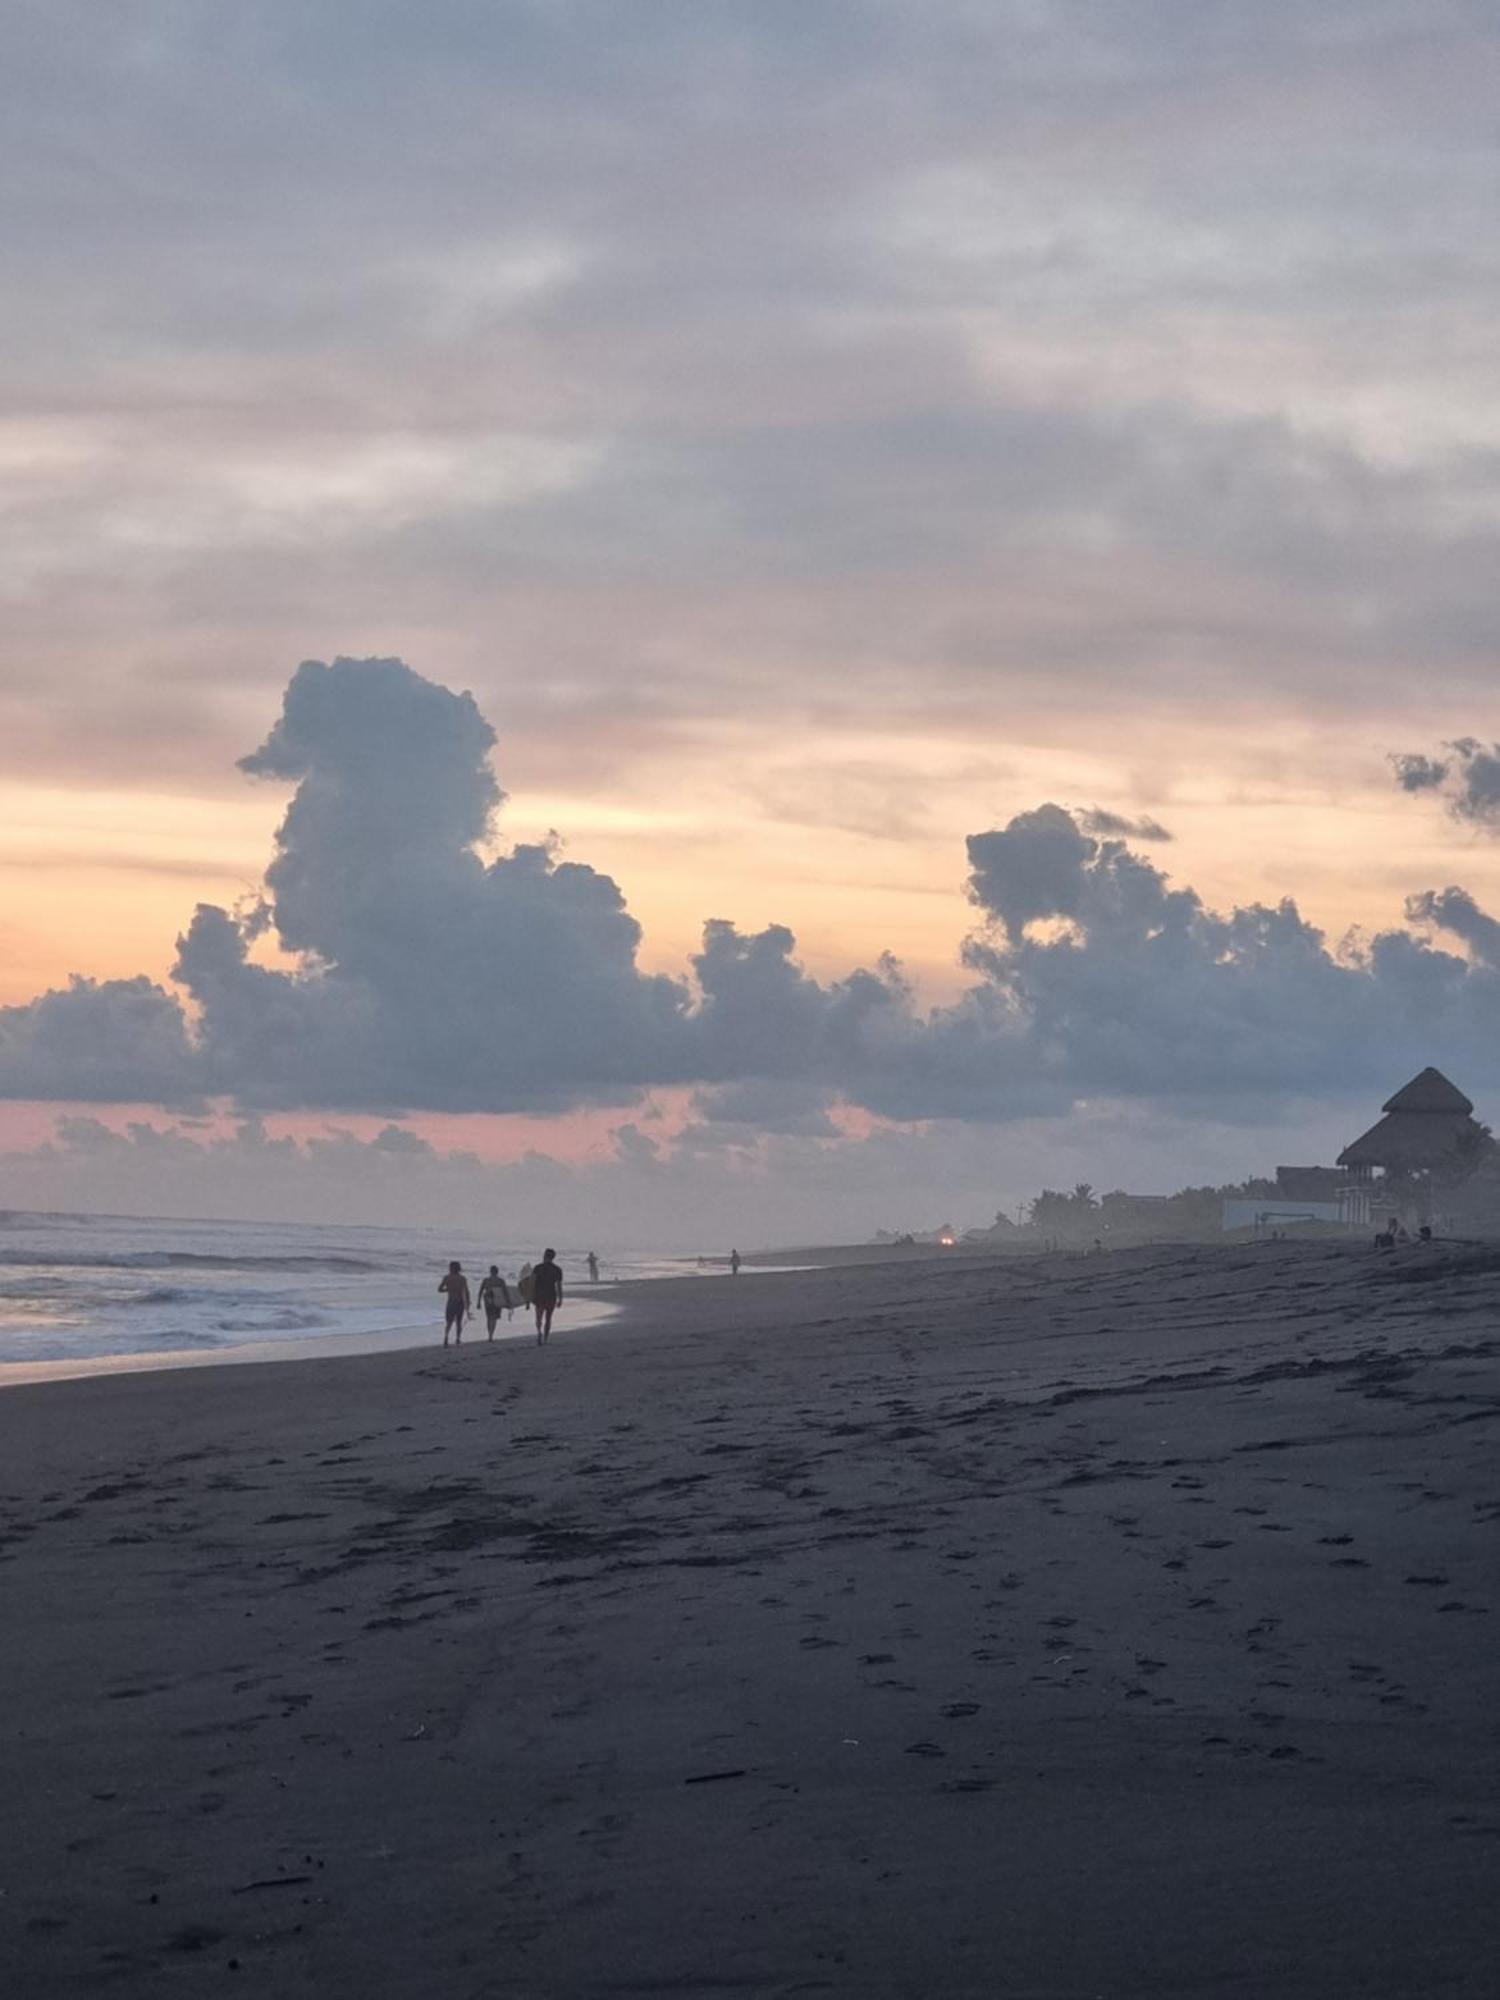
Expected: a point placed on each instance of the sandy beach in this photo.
(1071, 1627)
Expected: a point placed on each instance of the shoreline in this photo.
(586, 1305)
(612, 1302)
(1112, 1625)
(405, 1337)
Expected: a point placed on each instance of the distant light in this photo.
(946, 1241)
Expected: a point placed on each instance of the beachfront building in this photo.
(1428, 1137)
(1302, 1195)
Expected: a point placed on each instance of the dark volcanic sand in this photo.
(1075, 1627)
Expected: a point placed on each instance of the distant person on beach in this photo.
(456, 1285)
(523, 1284)
(734, 1263)
(495, 1298)
(593, 1263)
(546, 1293)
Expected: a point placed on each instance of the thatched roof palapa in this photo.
(1429, 1094)
(1425, 1122)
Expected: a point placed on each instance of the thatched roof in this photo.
(1425, 1122)
(1429, 1092)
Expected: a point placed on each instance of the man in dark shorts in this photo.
(546, 1293)
(456, 1285)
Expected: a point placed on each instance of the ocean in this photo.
(81, 1294)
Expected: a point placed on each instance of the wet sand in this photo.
(1068, 1627)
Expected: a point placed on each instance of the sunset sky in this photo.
(819, 434)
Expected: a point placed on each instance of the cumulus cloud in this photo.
(428, 976)
(1455, 911)
(116, 1041)
(1112, 825)
(1467, 777)
(1127, 985)
(743, 1113)
(417, 972)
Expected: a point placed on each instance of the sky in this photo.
(993, 510)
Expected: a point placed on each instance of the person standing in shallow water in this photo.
(546, 1294)
(456, 1285)
(734, 1263)
(593, 1263)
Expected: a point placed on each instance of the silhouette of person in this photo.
(734, 1263)
(546, 1293)
(593, 1263)
(494, 1296)
(456, 1285)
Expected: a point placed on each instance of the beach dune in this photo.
(1070, 1626)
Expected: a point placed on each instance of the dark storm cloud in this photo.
(426, 977)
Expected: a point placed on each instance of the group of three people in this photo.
(540, 1287)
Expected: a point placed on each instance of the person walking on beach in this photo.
(456, 1285)
(734, 1263)
(494, 1296)
(546, 1293)
(593, 1263)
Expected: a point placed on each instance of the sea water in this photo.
(80, 1292)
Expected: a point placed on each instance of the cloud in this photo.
(744, 1113)
(1126, 985)
(428, 976)
(1455, 911)
(691, 1194)
(1032, 868)
(1418, 773)
(1111, 825)
(1468, 778)
(118, 1041)
(416, 973)
(1054, 370)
